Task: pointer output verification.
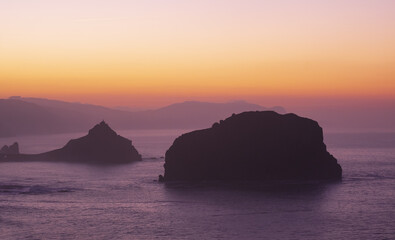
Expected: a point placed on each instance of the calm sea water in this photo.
(74, 201)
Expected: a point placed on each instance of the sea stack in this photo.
(10, 150)
(101, 145)
(253, 146)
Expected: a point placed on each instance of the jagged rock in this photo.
(4, 149)
(12, 149)
(253, 146)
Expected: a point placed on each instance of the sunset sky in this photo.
(152, 53)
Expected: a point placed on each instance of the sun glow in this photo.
(204, 49)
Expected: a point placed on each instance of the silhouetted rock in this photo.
(253, 146)
(12, 149)
(161, 178)
(4, 149)
(101, 145)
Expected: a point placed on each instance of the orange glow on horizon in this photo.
(141, 51)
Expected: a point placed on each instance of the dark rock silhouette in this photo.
(253, 146)
(12, 149)
(101, 145)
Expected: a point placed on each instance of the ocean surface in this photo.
(41, 200)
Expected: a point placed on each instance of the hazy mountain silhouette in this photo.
(19, 117)
(354, 118)
(193, 114)
(28, 116)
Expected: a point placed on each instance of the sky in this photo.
(155, 52)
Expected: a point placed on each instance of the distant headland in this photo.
(261, 145)
(102, 145)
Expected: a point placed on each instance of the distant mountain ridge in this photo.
(31, 116)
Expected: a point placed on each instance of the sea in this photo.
(43, 200)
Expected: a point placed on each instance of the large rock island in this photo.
(253, 146)
(101, 145)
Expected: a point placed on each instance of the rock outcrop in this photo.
(102, 145)
(12, 149)
(253, 146)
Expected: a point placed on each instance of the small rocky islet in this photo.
(252, 146)
(10, 150)
(102, 145)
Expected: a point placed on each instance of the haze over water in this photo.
(75, 201)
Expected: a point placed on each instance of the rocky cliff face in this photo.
(253, 146)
